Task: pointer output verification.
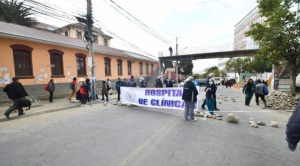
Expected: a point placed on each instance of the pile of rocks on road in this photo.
(281, 101)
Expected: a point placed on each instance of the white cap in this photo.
(142, 78)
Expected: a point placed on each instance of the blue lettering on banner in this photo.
(153, 102)
(177, 103)
(159, 92)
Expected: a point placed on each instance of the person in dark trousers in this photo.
(88, 89)
(143, 83)
(72, 86)
(158, 82)
(189, 96)
(293, 129)
(248, 90)
(259, 92)
(83, 92)
(119, 83)
(15, 91)
(131, 82)
(124, 82)
(211, 95)
(104, 90)
(171, 51)
(51, 90)
(207, 84)
(169, 83)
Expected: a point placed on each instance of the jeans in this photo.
(210, 104)
(16, 105)
(262, 96)
(51, 96)
(119, 92)
(204, 103)
(189, 110)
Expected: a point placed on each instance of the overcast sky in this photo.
(195, 22)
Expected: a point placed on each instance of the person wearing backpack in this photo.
(51, 90)
(131, 82)
(72, 87)
(143, 83)
(260, 92)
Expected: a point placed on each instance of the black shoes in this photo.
(203, 108)
(22, 114)
(7, 116)
(216, 109)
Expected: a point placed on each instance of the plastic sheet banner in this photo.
(169, 98)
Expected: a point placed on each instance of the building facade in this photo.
(37, 56)
(241, 42)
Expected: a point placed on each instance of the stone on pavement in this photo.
(214, 117)
(261, 123)
(218, 118)
(254, 125)
(274, 124)
(232, 118)
(251, 119)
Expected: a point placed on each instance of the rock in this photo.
(251, 119)
(232, 118)
(131, 105)
(218, 118)
(254, 125)
(209, 116)
(218, 115)
(105, 104)
(214, 117)
(220, 102)
(250, 122)
(233, 100)
(200, 114)
(120, 104)
(115, 104)
(261, 123)
(274, 124)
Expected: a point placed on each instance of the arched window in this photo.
(107, 66)
(120, 71)
(81, 64)
(22, 60)
(56, 62)
(129, 67)
(147, 68)
(141, 68)
(151, 68)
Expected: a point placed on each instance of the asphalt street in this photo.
(117, 135)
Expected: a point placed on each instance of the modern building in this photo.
(241, 42)
(77, 31)
(36, 56)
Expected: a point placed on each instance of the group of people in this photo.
(260, 90)
(81, 89)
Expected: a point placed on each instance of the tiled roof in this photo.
(26, 33)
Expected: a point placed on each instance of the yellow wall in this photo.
(41, 61)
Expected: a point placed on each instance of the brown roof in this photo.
(26, 33)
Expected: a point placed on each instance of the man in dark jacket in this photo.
(119, 83)
(189, 96)
(259, 92)
(158, 82)
(293, 129)
(143, 83)
(131, 82)
(169, 83)
(15, 91)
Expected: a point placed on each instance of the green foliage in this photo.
(235, 65)
(185, 67)
(278, 36)
(14, 12)
(214, 70)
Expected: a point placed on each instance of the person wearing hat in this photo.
(158, 82)
(211, 95)
(143, 83)
(119, 83)
(77, 88)
(189, 96)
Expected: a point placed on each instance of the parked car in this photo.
(202, 82)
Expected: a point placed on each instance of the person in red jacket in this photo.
(83, 92)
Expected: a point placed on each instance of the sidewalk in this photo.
(43, 107)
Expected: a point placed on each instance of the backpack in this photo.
(131, 83)
(25, 103)
(72, 86)
(266, 90)
(47, 87)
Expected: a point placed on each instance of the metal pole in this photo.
(177, 61)
(91, 51)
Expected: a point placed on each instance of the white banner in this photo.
(155, 97)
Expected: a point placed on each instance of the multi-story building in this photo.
(77, 31)
(241, 42)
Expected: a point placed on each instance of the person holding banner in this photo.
(211, 96)
(119, 83)
(158, 82)
(143, 83)
(189, 96)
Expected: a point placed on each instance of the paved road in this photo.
(114, 135)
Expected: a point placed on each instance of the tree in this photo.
(261, 64)
(235, 65)
(223, 73)
(17, 13)
(278, 36)
(185, 67)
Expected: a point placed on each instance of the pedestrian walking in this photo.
(260, 92)
(15, 91)
(169, 83)
(143, 83)
(248, 90)
(131, 82)
(77, 89)
(110, 87)
(72, 87)
(51, 90)
(104, 90)
(125, 82)
(189, 96)
(88, 90)
(211, 95)
(158, 82)
(293, 129)
(83, 93)
(119, 84)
